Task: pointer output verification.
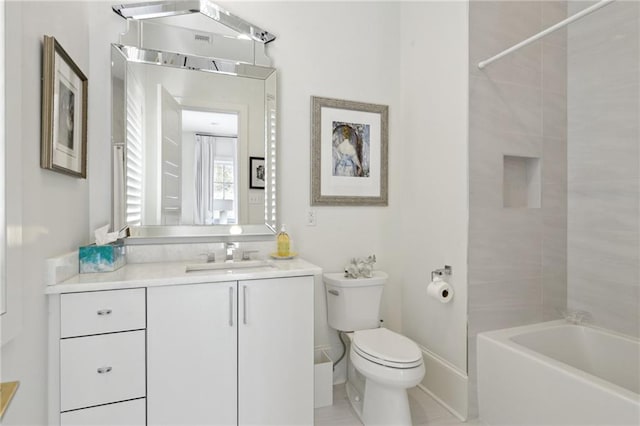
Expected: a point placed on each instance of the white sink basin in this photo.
(228, 266)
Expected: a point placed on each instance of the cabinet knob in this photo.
(103, 312)
(104, 370)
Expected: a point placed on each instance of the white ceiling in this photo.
(216, 123)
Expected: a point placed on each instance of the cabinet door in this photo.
(192, 354)
(275, 346)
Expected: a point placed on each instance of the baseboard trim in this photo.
(446, 384)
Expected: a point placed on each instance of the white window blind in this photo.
(270, 213)
(134, 147)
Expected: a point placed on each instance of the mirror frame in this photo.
(161, 9)
(123, 53)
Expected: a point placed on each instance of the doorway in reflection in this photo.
(210, 149)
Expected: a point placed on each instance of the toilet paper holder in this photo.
(447, 270)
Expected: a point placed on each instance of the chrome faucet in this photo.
(231, 247)
(577, 317)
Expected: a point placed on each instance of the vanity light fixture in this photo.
(159, 9)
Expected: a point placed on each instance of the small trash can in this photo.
(323, 379)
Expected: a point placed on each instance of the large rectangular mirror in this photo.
(184, 130)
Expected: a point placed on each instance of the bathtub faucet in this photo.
(577, 317)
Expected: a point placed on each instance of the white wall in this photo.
(434, 204)
(48, 211)
(3, 237)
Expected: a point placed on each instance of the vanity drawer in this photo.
(127, 413)
(102, 312)
(102, 369)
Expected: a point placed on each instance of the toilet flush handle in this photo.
(334, 292)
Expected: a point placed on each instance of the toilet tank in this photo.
(353, 303)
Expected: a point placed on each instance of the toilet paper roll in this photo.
(440, 290)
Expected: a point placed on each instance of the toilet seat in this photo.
(384, 347)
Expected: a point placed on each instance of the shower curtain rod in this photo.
(215, 136)
(549, 30)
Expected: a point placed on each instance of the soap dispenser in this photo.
(284, 242)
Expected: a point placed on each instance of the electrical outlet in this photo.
(311, 218)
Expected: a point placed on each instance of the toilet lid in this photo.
(385, 347)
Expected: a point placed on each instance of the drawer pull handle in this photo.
(103, 312)
(104, 370)
(230, 306)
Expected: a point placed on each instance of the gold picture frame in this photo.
(64, 112)
(349, 153)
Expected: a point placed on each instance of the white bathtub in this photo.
(556, 373)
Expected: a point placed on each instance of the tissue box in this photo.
(105, 258)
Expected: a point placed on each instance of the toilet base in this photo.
(378, 405)
(355, 399)
(385, 406)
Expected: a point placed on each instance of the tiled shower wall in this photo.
(603, 165)
(517, 170)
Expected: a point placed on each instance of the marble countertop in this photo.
(174, 273)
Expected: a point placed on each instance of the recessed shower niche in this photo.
(521, 182)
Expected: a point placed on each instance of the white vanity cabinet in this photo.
(97, 358)
(224, 353)
(152, 344)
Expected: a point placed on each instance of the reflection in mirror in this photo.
(214, 192)
(184, 138)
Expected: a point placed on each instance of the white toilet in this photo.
(382, 364)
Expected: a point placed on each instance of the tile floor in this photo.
(424, 411)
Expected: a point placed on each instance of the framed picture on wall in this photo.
(257, 172)
(64, 112)
(349, 146)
